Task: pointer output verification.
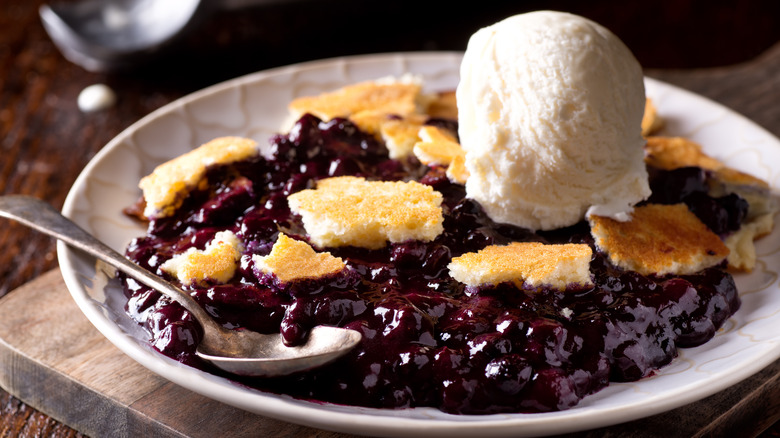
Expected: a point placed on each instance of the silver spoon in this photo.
(108, 35)
(241, 352)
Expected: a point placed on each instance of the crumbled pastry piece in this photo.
(443, 106)
(742, 255)
(400, 135)
(399, 97)
(350, 211)
(371, 121)
(759, 221)
(166, 187)
(390, 108)
(651, 121)
(733, 178)
(292, 260)
(438, 148)
(456, 171)
(674, 152)
(530, 263)
(659, 239)
(217, 262)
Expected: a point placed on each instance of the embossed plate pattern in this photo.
(255, 106)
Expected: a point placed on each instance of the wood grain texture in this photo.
(59, 363)
(45, 141)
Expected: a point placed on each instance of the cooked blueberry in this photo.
(427, 339)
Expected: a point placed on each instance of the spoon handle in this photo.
(42, 217)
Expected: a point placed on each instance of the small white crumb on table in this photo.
(96, 97)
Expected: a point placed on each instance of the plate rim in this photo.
(280, 407)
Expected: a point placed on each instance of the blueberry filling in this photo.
(427, 339)
(689, 185)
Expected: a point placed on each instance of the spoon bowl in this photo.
(113, 35)
(105, 35)
(240, 352)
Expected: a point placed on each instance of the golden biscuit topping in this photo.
(444, 106)
(166, 187)
(742, 249)
(371, 121)
(674, 152)
(400, 135)
(377, 98)
(659, 239)
(438, 148)
(651, 121)
(217, 262)
(456, 171)
(392, 109)
(292, 260)
(532, 263)
(350, 211)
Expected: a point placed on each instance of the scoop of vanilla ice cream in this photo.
(550, 111)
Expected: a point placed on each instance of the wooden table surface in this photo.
(728, 52)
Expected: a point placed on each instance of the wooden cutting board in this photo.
(53, 359)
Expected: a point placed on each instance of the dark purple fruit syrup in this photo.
(427, 339)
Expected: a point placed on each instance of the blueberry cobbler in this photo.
(358, 217)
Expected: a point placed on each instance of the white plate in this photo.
(255, 106)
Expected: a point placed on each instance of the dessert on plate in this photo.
(512, 246)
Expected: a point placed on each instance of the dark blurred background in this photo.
(662, 34)
(676, 33)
